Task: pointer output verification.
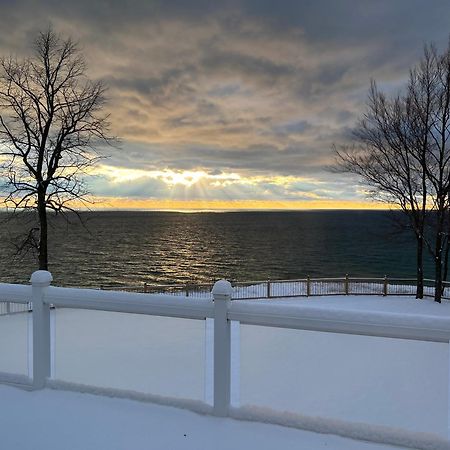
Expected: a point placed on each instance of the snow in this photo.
(359, 431)
(369, 388)
(387, 382)
(368, 303)
(13, 343)
(364, 304)
(399, 311)
(51, 420)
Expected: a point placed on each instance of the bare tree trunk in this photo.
(43, 230)
(419, 287)
(438, 263)
(445, 263)
(438, 282)
(447, 246)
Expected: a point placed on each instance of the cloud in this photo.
(214, 186)
(258, 88)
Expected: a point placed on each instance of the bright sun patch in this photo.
(186, 178)
(171, 177)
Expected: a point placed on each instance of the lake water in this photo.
(135, 247)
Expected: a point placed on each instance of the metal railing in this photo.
(13, 308)
(302, 287)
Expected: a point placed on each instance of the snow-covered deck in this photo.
(366, 381)
(55, 420)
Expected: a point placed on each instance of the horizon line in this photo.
(192, 206)
(133, 204)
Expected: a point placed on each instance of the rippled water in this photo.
(136, 247)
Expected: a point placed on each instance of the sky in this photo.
(232, 104)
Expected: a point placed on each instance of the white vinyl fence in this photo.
(221, 309)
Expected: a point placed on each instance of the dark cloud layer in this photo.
(254, 87)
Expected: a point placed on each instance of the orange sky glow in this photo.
(219, 205)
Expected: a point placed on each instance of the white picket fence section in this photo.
(221, 309)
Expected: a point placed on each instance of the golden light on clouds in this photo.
(125, 188)
(170, 177)
(191, 177)
(199, 190)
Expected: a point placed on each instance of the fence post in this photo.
(268, 288)
(8, 307)
(346, 284)
(145, 288)
(40, 280)
(308, 286)
(385, 286)
(222, 348)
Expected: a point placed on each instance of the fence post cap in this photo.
(41, 278)
(222, 287)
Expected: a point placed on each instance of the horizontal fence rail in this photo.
(317, 319)
(302, 287)
(136, 303)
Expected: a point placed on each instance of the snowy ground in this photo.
(55, 420)
(385, 382)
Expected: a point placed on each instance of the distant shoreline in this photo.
(221, 211)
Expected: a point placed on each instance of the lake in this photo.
(169, 247)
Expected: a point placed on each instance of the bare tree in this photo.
(438, 165)
(402, 152)
(387, 156)
(51, 120)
